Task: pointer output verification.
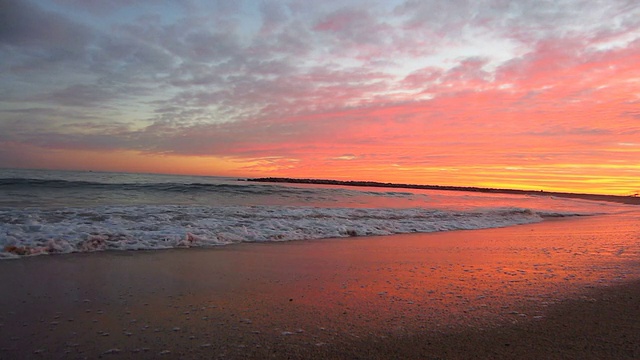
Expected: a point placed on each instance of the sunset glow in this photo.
(510, 94)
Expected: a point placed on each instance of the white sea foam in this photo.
(39, 231)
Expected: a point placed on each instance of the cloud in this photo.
(299, 85)
(80, 95)
(98, 7)
(345, 157)
(274, 16)
(22, 24)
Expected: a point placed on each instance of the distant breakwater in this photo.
(633, 200)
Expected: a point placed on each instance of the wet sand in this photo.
(561, 289)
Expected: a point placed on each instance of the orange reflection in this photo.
(481, 278)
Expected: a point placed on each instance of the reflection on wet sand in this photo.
(316, 298)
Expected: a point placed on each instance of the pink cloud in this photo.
(334, 87)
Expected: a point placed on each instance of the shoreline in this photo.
(630, 199)
(557, 289)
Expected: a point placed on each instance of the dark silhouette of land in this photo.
(633, 199)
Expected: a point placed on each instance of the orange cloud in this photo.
(391, 92)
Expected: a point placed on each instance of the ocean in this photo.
(57, 212)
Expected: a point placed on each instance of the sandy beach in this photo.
(567, 288)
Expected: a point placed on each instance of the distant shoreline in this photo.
(633, 200)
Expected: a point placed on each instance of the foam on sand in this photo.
(46, 231)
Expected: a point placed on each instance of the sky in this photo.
(528, 94)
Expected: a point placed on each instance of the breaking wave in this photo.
(33, 231)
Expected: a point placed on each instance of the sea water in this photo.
(46, 212)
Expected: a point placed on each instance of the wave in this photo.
(26, 232)
(21, 183)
